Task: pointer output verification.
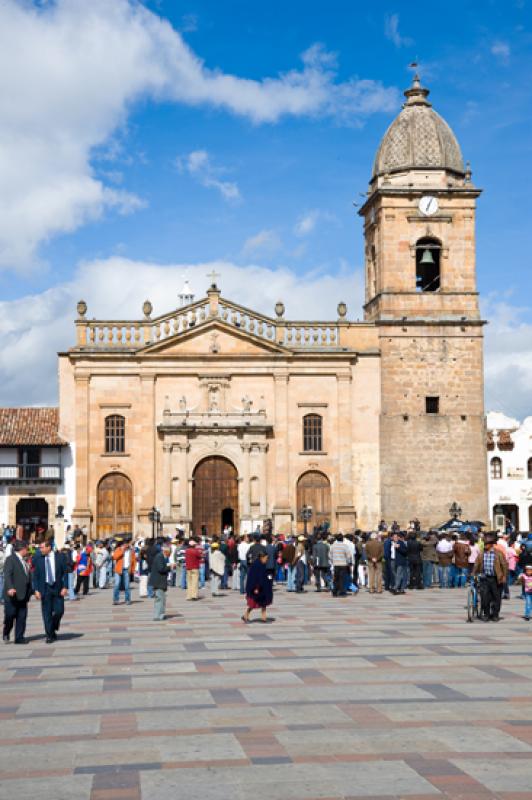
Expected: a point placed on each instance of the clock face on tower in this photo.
(428, 205)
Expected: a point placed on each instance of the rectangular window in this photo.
(312, 433)
(432, 405)
(115, 434)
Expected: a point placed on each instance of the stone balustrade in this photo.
(124, 335)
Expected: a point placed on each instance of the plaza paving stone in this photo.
(368, 697)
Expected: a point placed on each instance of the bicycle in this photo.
(473, 600)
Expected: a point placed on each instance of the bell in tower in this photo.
(419, 220)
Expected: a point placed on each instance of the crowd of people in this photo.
(254, 564)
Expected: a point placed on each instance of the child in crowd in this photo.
(526, 578)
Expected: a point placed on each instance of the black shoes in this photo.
(21, 641)
(5, 638)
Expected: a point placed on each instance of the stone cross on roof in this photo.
(213, 275)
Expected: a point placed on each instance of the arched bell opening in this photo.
(428, 258)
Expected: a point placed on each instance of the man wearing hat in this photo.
(492, 567)
(17, 592)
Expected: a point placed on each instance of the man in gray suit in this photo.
(17, 592)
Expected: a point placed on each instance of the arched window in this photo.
(428, 252)
(496, 468)
(115, 434)
(529, 469)
(312, 433)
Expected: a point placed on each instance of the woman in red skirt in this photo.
(259, 588)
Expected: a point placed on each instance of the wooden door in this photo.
(314, 490)
(214, 493)
(115, 506)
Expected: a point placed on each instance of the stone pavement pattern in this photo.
(364, 697)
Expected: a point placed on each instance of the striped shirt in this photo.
(339, 554)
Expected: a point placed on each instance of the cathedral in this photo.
(214, 414)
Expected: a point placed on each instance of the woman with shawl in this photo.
(259, 588)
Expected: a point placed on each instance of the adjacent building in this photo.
(36, 469)
(510, 471)
(218, 415)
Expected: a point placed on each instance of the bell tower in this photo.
(421, 293)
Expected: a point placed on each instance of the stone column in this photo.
(345, 510)
(165, 496)
(282, 508)
(145, 413)
(263, 479)
(182, 449)
(246, 504)
(81, 514)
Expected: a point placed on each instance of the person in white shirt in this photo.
(444, 549)
(243, 547)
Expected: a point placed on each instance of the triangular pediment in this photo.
(214, 337)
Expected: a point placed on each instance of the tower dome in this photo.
(418, 139)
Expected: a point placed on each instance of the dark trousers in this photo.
(490, 596)
(319, 574)
(300, 576)
(53, 608)
(15, 613)
(416, 575)
(389, 579)
(339, 580)
(83, 580)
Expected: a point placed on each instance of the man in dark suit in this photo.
(50, 584)
(17, 592)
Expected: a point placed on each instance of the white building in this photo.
(510, 470)
(37, 480)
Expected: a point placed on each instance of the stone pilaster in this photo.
(82, 514)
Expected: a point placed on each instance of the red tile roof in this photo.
(30, 426)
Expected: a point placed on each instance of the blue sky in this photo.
(218, 140)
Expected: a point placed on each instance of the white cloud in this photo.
(391, 31)
(70, 72)
(189, 23)
(508, 362)
(34, 328)
(501, 51)
(306, 223)
(265, 242)
(199, 165)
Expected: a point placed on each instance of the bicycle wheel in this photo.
(471, 605)
(477, 604)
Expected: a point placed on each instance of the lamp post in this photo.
(306, 515)
(455, 511)
(155, 518)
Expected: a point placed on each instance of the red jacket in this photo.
(193, 557)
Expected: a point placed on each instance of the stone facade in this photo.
(215, 380)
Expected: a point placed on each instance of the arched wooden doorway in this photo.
(115, 505)
(314, 490)
(214, 495)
